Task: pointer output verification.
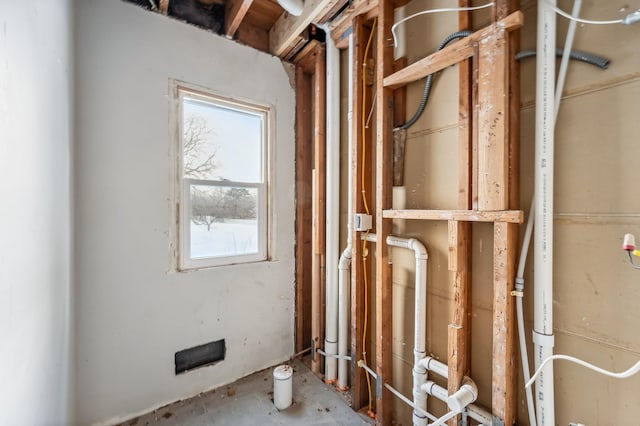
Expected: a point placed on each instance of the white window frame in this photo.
(182, 186)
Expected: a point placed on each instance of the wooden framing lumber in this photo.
(459, 337)
(452, 54)
(318, 242)
(359, 393)
(164, 7)
(339, 26)
(504, 372)
(235, 11)
(253, 36)
(303, 209)
(288, 27)
(384, 176)
(511, 216)
(493, 123)
(459, 233)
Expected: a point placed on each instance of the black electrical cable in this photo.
(589, 58)
(427, 85)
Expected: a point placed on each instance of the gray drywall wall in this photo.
(35, 212)
(133, 313)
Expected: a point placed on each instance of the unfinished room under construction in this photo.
(320, 212)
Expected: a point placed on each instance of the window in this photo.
(221, 170)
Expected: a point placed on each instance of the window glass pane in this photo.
(224, 221)
(221, 143)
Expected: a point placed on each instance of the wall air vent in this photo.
(200, 356)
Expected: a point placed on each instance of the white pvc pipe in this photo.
(543, 235)
(480, 415)
(344, 276)
(564, 63)
(294, 7)
(432, 364)
(332, 206)
(530, 221)
(419, 339)
(343, 316)
(282, 387)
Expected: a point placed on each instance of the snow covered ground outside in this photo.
(229, 238)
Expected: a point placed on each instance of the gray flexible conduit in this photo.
(589, 58)
(427, 85)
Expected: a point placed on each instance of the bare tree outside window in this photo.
(199, 153)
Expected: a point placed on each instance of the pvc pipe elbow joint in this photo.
(467, 394)
(294, 7)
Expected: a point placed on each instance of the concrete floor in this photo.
(249, 401)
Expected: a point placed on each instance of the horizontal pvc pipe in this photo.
(479, 414)
(409, 402)
(334, 356)
(432, 364)
(436, 390)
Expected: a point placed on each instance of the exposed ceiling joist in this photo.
(235, 13)
(288, 27)
(343, 22)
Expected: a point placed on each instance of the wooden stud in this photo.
(459, 337)
(306, 58)
(339, 26)
(452, 54)
(504, 372)
(384, 180)
(303, 209)
(465, 122)
(474, 129)
(493, 124)
(514, 114)
(460, 330)
(319, 112)
(164, 7)
(359, 393)
(511, 216)
(235, 11)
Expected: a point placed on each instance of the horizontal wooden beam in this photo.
(511, 216)
(234, 14)
(452, 54)
(288, 27)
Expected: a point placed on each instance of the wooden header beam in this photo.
(288, 27)
(509, 216)
(450, 55)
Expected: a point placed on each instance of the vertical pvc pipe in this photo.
(333, 207)
(344, 276)
(282, 387)
(543, 236)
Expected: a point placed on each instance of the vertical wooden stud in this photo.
(384, 175)
(303, 209)
(503, 400)
(493, 124)
(359, 392)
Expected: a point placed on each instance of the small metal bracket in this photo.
(379, 387)
(517, 293)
